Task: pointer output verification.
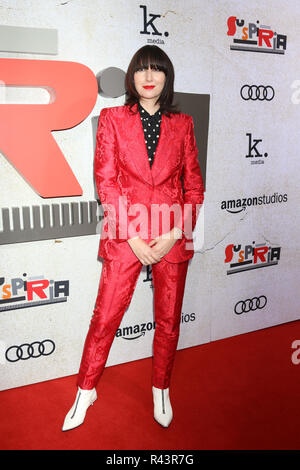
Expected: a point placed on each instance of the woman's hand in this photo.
(163, 244)
(143, 251)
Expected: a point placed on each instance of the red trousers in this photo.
(117, 283)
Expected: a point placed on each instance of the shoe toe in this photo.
(163, 420)
(76, 415)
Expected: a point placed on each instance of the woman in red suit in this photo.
(150, 185)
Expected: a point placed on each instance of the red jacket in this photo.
(126, 182)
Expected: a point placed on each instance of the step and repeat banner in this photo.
(237, 72)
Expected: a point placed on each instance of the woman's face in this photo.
(149, 78)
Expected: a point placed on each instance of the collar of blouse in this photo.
(154, 118)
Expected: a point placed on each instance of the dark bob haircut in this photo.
(157, 59)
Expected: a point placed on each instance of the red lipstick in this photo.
(148, 87)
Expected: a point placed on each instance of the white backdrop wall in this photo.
(219, 302)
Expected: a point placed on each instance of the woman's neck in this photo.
(149, 106)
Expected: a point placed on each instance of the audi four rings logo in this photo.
(27, 351)
(260, 92)
(250, 304)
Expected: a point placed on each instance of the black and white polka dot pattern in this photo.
(151, 126)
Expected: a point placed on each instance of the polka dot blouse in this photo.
(151, 126)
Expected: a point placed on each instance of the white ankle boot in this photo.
(76, 414)
(163, 412)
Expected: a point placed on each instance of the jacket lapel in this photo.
(140, 155)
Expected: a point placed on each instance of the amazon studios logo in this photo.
(34, 291)
(136, 331)
(235, 206)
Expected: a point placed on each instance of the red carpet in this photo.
(238, 393)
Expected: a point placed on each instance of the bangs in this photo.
(155, 62)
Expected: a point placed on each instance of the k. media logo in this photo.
(248, 257)
(255, 37)
(150, 28)
(23, 292)
(255, 153)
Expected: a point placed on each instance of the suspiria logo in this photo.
(234, 206)
(250, 257)
(136, 331)
(254, 37)
(31, 292)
